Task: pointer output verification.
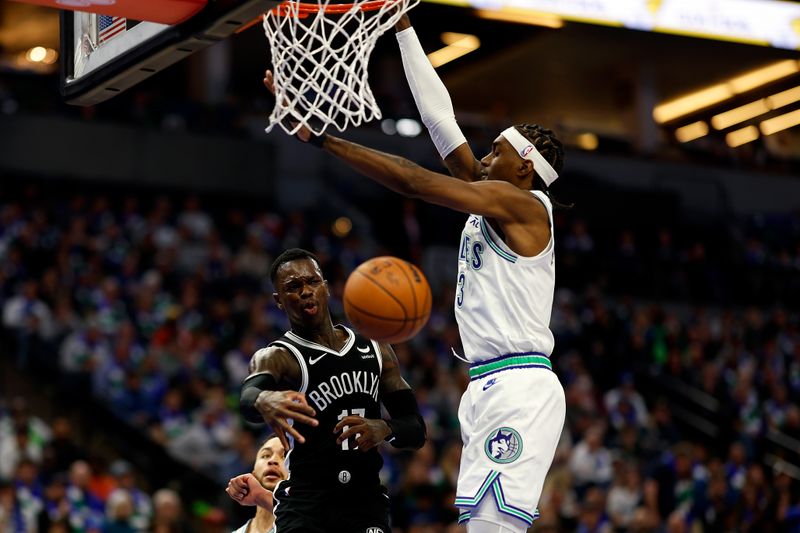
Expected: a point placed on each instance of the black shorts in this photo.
(336, 510)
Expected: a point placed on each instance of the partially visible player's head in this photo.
(270, 467)
(546, 143)
(300, 288)
(167, 510)
(504, 163)
(292, 254)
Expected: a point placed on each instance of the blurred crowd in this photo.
(49, 483)
(154, 304)
(748, 261)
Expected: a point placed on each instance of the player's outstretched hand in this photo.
(246, 490)
(366, 432)
(277, 407)
(237, 487)
(304, 134)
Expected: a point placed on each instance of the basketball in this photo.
(387, 299)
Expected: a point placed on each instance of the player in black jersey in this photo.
(329, 381)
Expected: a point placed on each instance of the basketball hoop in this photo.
(320, 54)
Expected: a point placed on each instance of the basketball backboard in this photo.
(103, 55)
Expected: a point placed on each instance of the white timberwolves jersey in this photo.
(503, 300)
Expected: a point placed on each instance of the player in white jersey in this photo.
(256, 488)
(513, 410)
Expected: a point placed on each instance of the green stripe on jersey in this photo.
(520, 360)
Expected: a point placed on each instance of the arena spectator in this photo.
(156, 315)
(168, 515)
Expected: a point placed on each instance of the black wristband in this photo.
(317, 140)
(313, 139)
(406, 425)
(251, 388)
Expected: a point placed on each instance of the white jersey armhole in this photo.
(504, 250)
(548, 206)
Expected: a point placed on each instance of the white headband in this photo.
(526, 150)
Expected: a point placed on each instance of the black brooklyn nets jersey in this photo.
(336, 385)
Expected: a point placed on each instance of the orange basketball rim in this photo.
(303, 9)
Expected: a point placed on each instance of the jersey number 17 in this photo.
(356, 412)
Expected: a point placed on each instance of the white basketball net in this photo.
(320, 60)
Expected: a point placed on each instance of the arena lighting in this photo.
(588, 141)
(37, 59)
(50, 56)
(780, 123)
(740, 114)
(764, 75)
(521, 16)
(754, 22)
(692, 102)
(720, 92)
(458, 44)
(36, 54)
(342, 226)
(742, 136)
(388, 126)
(408, 127)
(692, 131)
(784, 98)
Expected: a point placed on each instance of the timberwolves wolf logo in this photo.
(503, 445)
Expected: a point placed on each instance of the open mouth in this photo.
(310, 308)
(272, 474)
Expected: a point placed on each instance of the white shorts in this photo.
(511, 416)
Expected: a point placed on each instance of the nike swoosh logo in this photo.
(365, 349)
(490, 383)
(312, 360)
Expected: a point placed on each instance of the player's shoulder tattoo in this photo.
(388, 357)
(391, 378)
(278, 361)
(265, 358)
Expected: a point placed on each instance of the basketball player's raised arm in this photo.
(435, 105)
(245, 489)
(405, 428)
(491, 198)
(269, 394)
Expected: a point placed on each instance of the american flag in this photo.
(108, 27)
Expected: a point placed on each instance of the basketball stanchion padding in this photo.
(161, 11)
(320, 54)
